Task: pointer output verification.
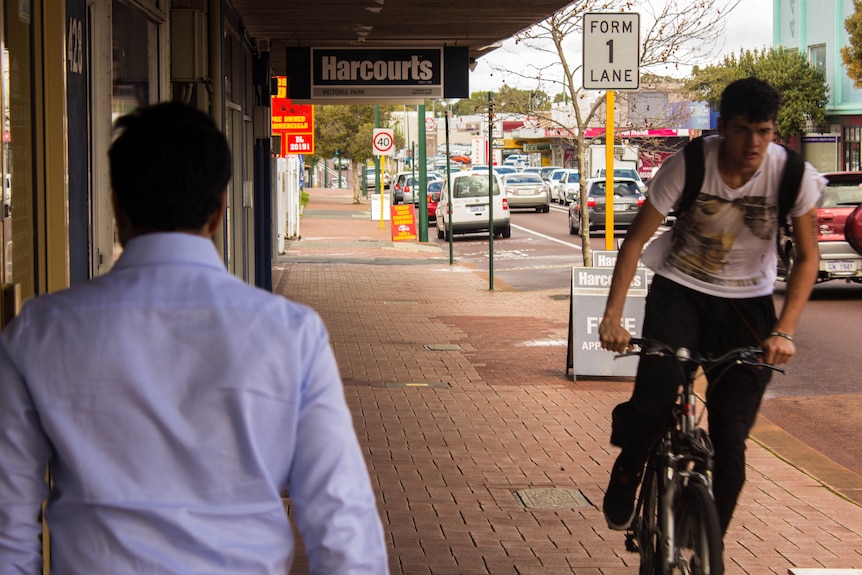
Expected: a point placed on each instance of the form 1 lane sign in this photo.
(384, 142)
(611, 50)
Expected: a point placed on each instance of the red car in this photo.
(838, 260)
(435, 187)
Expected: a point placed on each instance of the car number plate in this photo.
(620, 207)
(477, 208)
(841, 266)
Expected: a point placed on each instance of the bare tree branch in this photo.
(674, 33)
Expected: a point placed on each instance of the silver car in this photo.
(527, 190)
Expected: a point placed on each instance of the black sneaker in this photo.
(619, 502)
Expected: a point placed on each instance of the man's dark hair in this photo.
(169, 166)
(750, 98)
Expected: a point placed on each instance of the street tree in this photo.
(673, 33)
(348, 130)
(803, 88)
(507, 99)
(851, 54)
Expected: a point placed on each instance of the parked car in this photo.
(532, 170)
(500, 170)
(525, 190)
(627, 201)
(471, 207)
(435, 188)
(516, 159)
(626, 173)
(554, 182)
(370, 177)
(397, 186)
(838, 259)
(503, 170)
(570, 187)
(547, 170)
(411, 182)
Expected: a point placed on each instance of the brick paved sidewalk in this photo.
(462, 405)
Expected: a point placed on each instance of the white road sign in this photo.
(611, 50)
(383, 142)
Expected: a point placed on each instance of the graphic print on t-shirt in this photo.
(704, 237)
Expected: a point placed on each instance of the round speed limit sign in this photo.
(383, 142)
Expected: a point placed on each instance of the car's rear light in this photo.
(641, 201)
(505, 204)
(591, 202)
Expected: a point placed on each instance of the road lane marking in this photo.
(543, 236)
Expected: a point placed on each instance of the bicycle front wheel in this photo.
(698, 545)
(647, 525)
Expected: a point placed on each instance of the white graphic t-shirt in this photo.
(724, 245)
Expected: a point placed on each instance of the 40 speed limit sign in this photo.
(383, 142)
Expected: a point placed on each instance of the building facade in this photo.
(816, 28)
(69, 69)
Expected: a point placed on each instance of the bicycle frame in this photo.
(682, 455)
(678, 474)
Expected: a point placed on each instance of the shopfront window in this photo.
(18, 257)
(136, 29)
(852, 143)
(135, 57)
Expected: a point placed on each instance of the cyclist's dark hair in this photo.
(169, 167)
(750, 98)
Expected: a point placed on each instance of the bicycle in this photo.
(676, 527)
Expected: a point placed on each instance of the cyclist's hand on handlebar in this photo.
(778, 350)
(614, 337)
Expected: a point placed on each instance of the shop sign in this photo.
(374, 73)
(293, 122)
(537, 147)
(403, 221)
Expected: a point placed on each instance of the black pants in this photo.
(682, 317)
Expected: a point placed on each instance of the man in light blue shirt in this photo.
(174, 402)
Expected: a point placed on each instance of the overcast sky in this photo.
(749, 26)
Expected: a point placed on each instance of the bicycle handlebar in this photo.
(740, 355)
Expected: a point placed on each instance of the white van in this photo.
(471, 207)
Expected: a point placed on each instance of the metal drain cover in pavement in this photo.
(551, 498)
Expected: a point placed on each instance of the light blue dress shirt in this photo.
(175, 403)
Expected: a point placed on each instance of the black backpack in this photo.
(787, 191)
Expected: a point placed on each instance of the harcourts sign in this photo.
(590, 287)
(360, 73)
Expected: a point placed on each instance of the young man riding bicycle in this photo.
(712, 290)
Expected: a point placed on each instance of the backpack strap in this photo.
(788, 188)
(695, 167)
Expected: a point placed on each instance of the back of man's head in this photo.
(170, 165)
(750, 98)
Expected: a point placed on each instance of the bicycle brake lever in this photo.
(758, 363)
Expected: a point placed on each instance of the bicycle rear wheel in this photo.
(697, 533)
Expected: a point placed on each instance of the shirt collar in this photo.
(169, 248)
